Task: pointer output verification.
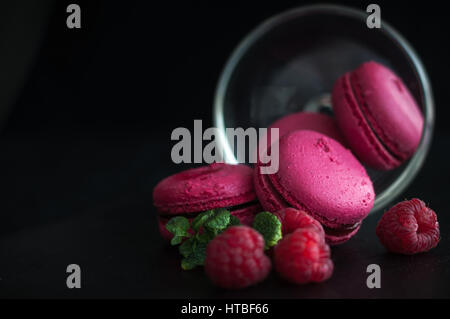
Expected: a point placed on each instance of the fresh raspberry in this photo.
(409, 227)
(236, 259)
(291, 219)
(303, 256)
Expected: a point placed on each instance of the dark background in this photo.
(88, 137)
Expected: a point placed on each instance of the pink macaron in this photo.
(193, 191)
(378, 116)
(320, 176)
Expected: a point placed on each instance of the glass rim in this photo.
(413, 165)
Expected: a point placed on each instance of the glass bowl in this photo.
(290, 62)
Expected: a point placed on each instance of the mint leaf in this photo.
(179, 227)
(198, 221)
(195, 258)
(269, 227)
(204, 237)
(219, 221)
(176, 240)
(187, 248)
(234, 221)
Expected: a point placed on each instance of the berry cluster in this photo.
(237, 256)
(236, 259)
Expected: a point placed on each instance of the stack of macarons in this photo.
(376, 123)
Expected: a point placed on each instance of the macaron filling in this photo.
(239, 207)
(202, 204)
(343, 231)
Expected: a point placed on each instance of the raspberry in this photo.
(409, 228)
(303, 256)
(291, 219)
(236, 259)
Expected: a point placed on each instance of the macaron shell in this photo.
(389, 108)
(203, 188)
(358, 133)
(318, 174)
(318, 122)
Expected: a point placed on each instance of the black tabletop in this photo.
(89, 138)
(113, 235)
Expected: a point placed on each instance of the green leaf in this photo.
(218, 221)
(234, 221)
(179, 227)
(269, 227)
(204, 237)
(196, 258)
(198, 221)
(187, 248)
(176, 240)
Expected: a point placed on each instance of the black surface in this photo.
(117, 245)
(89, 138)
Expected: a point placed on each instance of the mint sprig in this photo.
(198, 234)
(194, 238)
(269, 227)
